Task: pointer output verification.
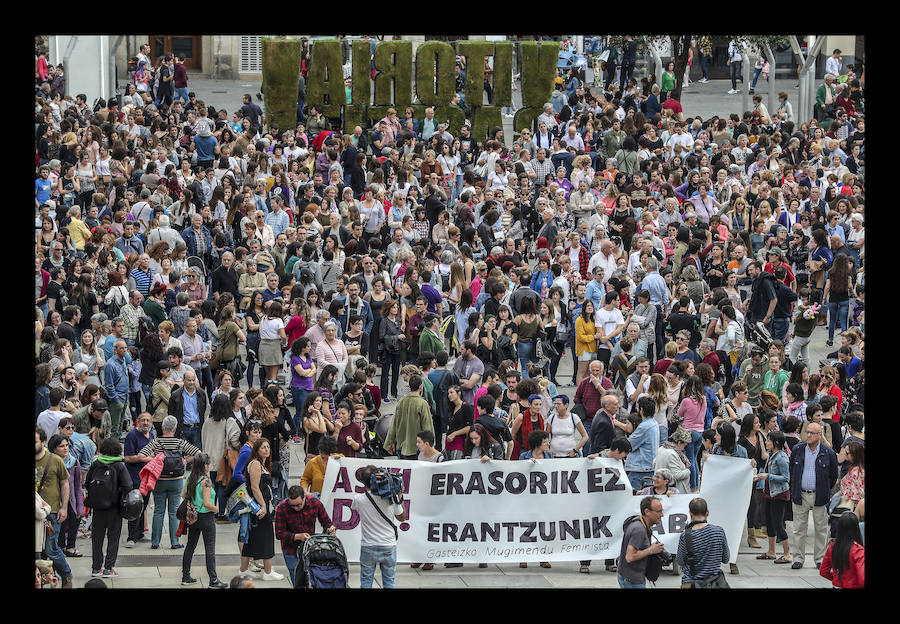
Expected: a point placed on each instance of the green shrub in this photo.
(450, 112)
(281, 69)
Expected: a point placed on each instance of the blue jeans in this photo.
(629, 585)
(691, 451)
(192, 434)
(165, 492)
(181, 93)
(837, 312)
(54, 552)
(780, 328)
(756, 72)
(526, 355)
(663, 434)
(299, 396)
(290, 561)
(636, 478)
(703, 59)
(369, 557)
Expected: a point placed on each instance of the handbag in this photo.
(48, 526)
(717, 581)
(186, 512)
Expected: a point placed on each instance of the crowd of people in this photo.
(210, 287)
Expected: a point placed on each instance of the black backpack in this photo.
(173, 464)
(102, 487)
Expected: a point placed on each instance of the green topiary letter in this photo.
(325, 82)
(452, 113)
(475, 51)
(538, 71)
(435, 61)
(503, 51)
(486, 118)
(361, 73)
(281, 71)
(399, 70)
(526, 118)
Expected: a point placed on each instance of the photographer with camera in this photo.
(379, 533)
(637, 548)
(702, 549)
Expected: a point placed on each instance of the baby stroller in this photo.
(382, 426)
(757, 334)
(197, 263)
(324, 564)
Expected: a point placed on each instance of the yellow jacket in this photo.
(314, 474)
(584, 336)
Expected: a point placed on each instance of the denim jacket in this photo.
(645, 442)
(778, 471)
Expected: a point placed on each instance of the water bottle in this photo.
(254, 506)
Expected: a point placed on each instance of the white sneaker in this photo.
(732, 91)
(272, 576)
(249, 573)
(704, 80)
(129, 544)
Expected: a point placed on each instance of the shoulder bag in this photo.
(717, 581)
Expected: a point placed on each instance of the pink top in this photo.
(693, 412)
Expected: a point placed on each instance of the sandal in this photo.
(765, 556)
(73, 554)
(782, 559)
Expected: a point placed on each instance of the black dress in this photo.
(261, 541)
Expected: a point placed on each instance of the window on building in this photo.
(250, 54)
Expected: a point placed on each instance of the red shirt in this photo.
(675, 105)
(289, 521)
(662, 366)
(852, 578)
(587, 395)
(713, 360)
(788, 279)
(837, 393)
(295, 328)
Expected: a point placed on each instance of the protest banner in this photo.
(552, 510)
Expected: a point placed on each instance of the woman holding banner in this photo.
(529, 420)
(539, 445)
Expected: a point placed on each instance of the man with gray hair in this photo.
(188, 405)
(654, 283)
(167, 492)
(825, 98)
(225, 279)
(164, 233)
(316, 333)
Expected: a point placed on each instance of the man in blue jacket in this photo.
(354, 304)
(814, 470)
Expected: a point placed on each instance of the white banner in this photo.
(553, 510)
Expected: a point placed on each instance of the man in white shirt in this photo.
(833, 63)
(609, 319)
(378, 543)
(48, 420)
(604, 259)
(679, 138)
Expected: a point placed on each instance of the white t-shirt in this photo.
(562, 433)
(375, 530)
(48, 420)
(608, 320)
(268, 328)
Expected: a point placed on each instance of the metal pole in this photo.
(70, 47)
(112, 63)
(657, 62)
(772, 99)
(801, 94)
(810, 70)
(745, 88)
